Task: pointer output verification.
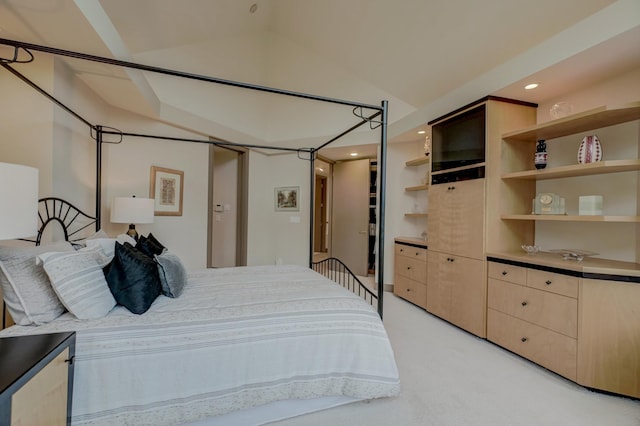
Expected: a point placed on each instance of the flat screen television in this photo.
(459, 141)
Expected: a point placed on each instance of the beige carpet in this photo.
(450, 377)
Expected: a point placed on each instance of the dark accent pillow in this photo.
(133, 278)
(149, 245)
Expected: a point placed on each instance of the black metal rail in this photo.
(338, 272)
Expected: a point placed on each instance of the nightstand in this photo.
(36, 379)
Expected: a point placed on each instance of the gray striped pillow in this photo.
(79, 282)
(25, 286)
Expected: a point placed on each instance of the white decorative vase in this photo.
(590, 150)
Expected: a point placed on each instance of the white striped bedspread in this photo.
(236, 338)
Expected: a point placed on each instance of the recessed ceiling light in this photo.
(354, 154)
(531, 86)
(422, 132)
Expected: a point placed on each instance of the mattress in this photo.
(236, 338)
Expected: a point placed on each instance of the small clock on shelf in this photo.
(548, 203)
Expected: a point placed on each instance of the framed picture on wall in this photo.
(166, 189)
(286, 199)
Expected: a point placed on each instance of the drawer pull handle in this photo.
(548, 282)
(417, 254)
(401, 250)
(70, 360)
(524, 339)
(524, 303)
(504, 273)
(408, 290)
(408, 268)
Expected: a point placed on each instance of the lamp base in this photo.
(132, 232)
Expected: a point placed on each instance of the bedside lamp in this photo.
(132, 210)
(19, 192)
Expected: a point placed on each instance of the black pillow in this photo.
(133, 278)
(149, 245)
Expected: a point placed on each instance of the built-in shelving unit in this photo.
(593, 119)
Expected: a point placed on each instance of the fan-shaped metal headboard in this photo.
(71, 219)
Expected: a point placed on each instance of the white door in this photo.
(350, 230)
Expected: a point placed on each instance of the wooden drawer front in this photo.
(548, 310)
(555, 283)
(513, 274)
(411, 252)
(542, 346)
(414, 269)
(411, 290)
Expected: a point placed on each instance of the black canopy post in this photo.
(382, 175)
(98, 176)
(312, 196)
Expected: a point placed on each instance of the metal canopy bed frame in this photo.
(332, 268)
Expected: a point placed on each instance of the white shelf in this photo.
(577, 123)
(601, 167)
(571, 218)
(417, 161)
(417, 188)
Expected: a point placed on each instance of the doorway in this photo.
(227, 207)
(320, 216)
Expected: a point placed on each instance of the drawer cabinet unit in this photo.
(410, 280)
(36, 379)
(530, 314)
(583, 328)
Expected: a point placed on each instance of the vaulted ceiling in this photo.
(420, 55)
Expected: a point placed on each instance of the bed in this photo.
(234, 339)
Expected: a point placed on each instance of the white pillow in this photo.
(108, 245)
(25, 286)
(79, 282)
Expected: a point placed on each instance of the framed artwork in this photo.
(166, 189)
(286, 199)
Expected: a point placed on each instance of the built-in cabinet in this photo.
(410, 280)
(584, 329)
(456, 288)
(578, 319)
(583, 320)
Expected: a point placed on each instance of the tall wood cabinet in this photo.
(455, 279)
(463, 218)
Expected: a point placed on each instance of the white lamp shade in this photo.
(132, 210)
(19, 195)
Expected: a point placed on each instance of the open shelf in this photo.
(416, 214)
(601, 167)
(571, 218)
(417, 161)
(417, 188)
(589, 120)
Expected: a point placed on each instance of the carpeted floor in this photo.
(450, 377)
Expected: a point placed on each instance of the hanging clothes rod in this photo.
(133, 65)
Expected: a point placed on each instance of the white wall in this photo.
(26, 119)
(277, 236)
